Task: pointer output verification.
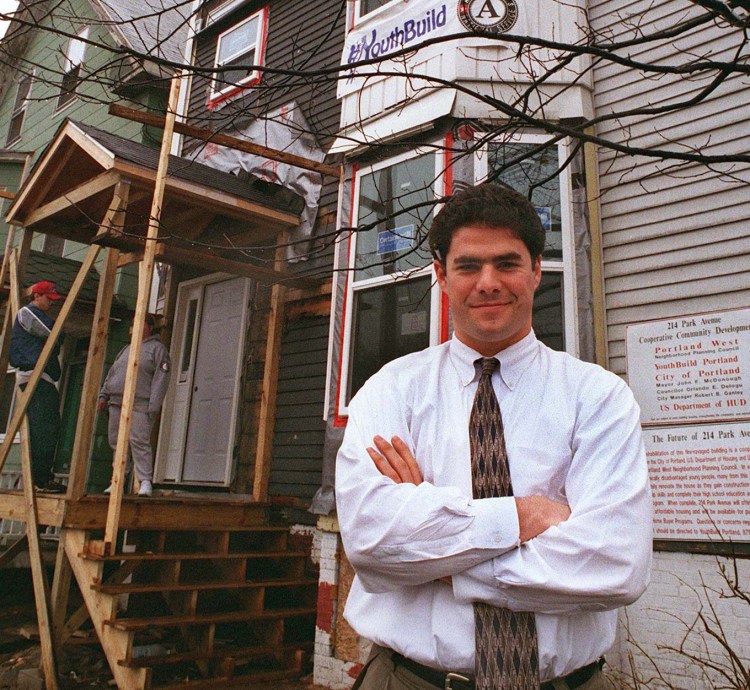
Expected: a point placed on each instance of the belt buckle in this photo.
(450, 677)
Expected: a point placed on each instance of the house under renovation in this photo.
(208, 569)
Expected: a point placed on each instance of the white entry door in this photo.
(200, 412)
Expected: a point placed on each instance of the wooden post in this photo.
(61, 580)
(38, 575)
(145, 272)
(23, 397)
(92, 377)
(97, 349)
(270, 382)
(597, 260)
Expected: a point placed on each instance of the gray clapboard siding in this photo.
(675, 241)
(299, 431)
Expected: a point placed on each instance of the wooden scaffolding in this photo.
(218, 565)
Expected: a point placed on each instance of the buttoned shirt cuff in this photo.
(478, 583)
(495, 524)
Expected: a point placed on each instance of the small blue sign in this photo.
(545, 215)
(396, 240)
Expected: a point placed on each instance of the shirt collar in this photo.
(514, 360)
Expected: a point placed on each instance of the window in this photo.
(393, 300)
(19, 109)
(538, 175)
(186, 360)
(72, 68)
(237, 49)
(368, 6)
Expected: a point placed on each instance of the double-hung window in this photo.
(74, 55)
(238, 50)
(392, 298)
(23, 92)
(530, 167)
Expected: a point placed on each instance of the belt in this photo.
(575, 679)
(460, 681)
(441, 679)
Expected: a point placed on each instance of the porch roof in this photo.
(207, 215)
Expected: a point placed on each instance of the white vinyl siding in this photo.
(675, 239)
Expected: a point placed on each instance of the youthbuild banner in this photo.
(407, 24)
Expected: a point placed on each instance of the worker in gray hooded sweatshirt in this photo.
(150, 389)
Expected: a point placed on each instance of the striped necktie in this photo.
(507, 655)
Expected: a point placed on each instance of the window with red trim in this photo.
(239, 51)
(392, 301)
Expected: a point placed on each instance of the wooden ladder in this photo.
(198, 609)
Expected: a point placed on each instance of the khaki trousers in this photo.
(379, 674)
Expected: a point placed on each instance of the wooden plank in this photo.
(597, 259)
(41, 179)
(23, 397)
(145, 274)
(38, 573)
(247, 652)
(189, 223)
(115, 644)
(59, 597)
(221, 201)
(322, 289)
(177, 255)
(139, 624)
(225, 140)
(127, 258)
(146, 588)
(75, 196)
(19, 546)
(115, 217)
(264, 446)
(96, 553)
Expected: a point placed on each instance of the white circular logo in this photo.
(488, 16)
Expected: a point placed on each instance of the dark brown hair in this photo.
(487, 205)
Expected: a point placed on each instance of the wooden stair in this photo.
(198, 608)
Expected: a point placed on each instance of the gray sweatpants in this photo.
(140, 440)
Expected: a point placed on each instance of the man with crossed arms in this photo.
(573, 542)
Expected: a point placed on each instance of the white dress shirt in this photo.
(572, 433)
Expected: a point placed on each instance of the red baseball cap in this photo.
(45, 287)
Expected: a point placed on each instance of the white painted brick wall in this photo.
(329, 672)
(682, 586)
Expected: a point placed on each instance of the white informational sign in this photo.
(691, 369)
(700, 478)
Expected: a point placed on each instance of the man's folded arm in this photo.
(600, 557)
(397, 535)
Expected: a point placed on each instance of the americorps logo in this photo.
(379, 42)
(488, 16)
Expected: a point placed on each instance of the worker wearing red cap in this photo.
(30, 332)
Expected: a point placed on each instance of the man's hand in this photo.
(537, 514)
(101, 406)
(395, 460)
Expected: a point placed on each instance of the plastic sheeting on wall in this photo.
(284, 129)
